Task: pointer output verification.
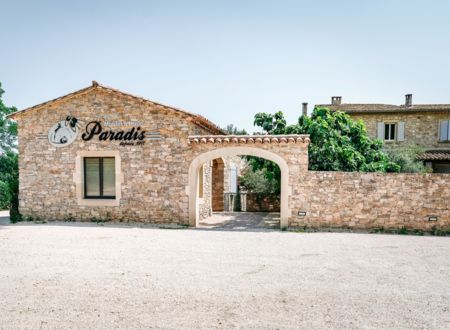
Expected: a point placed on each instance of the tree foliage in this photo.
(9, 183)
(338, 143)
(9, 169)
(406, 158)
(262, 176)
(8, 128)
(258, 181)
(233, 130)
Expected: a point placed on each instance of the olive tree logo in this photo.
(64, 132)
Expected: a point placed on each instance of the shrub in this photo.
(257, 181)
(5, 195)
(406, 158)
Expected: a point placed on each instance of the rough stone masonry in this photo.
(153, 178)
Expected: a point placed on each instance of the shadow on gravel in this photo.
(241, 221)
(4, 220)
(223, 221)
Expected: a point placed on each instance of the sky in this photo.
(228, 60)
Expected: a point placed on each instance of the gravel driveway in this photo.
(62, 276)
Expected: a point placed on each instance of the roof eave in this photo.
(198, 120)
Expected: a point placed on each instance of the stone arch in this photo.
(208, 156)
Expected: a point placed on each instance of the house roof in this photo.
(196, 119)
(435, 155)
(386, 108)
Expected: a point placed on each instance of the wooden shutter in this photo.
(401, 131)
(444, 131)
(380, 130)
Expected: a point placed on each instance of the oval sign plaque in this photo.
(64, 132)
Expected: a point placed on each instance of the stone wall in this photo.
(371, 200)
(154, 175)
(217, 185)
(420, 128)
(262, 202)
(156, 178)
(204, 201)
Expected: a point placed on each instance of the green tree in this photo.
(258, 181)
(9, 169)
(8, 128)
(233, 130)
(9, 184)
(338, 143)
(261, 176)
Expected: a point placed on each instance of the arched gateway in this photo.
(99, 153)
(289, 152)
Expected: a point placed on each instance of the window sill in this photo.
(443, 141)
(98, 202)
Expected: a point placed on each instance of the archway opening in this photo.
(245, 194)
(225, 183)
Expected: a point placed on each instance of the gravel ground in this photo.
(80, 276)
(241, 221)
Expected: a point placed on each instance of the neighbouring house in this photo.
(425, 125)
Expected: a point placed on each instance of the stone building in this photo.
(101, 154)
(84, 154)
(425, 125)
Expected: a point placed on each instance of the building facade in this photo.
(85, 154)
(99, 154)
(398, 126)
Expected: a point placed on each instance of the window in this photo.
(393, 131)
(99, 177)
(444, 130)
(389, 132)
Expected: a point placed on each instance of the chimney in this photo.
(305, 108)
(408, 100)
(336, 100)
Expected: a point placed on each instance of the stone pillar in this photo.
(243, 196)
(217, 185)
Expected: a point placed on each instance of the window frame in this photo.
(101, 179)
(389, 131)
(448, 130)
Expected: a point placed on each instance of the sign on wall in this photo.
(128, 133)
(64, 132)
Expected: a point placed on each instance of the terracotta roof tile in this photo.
(435, 155)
